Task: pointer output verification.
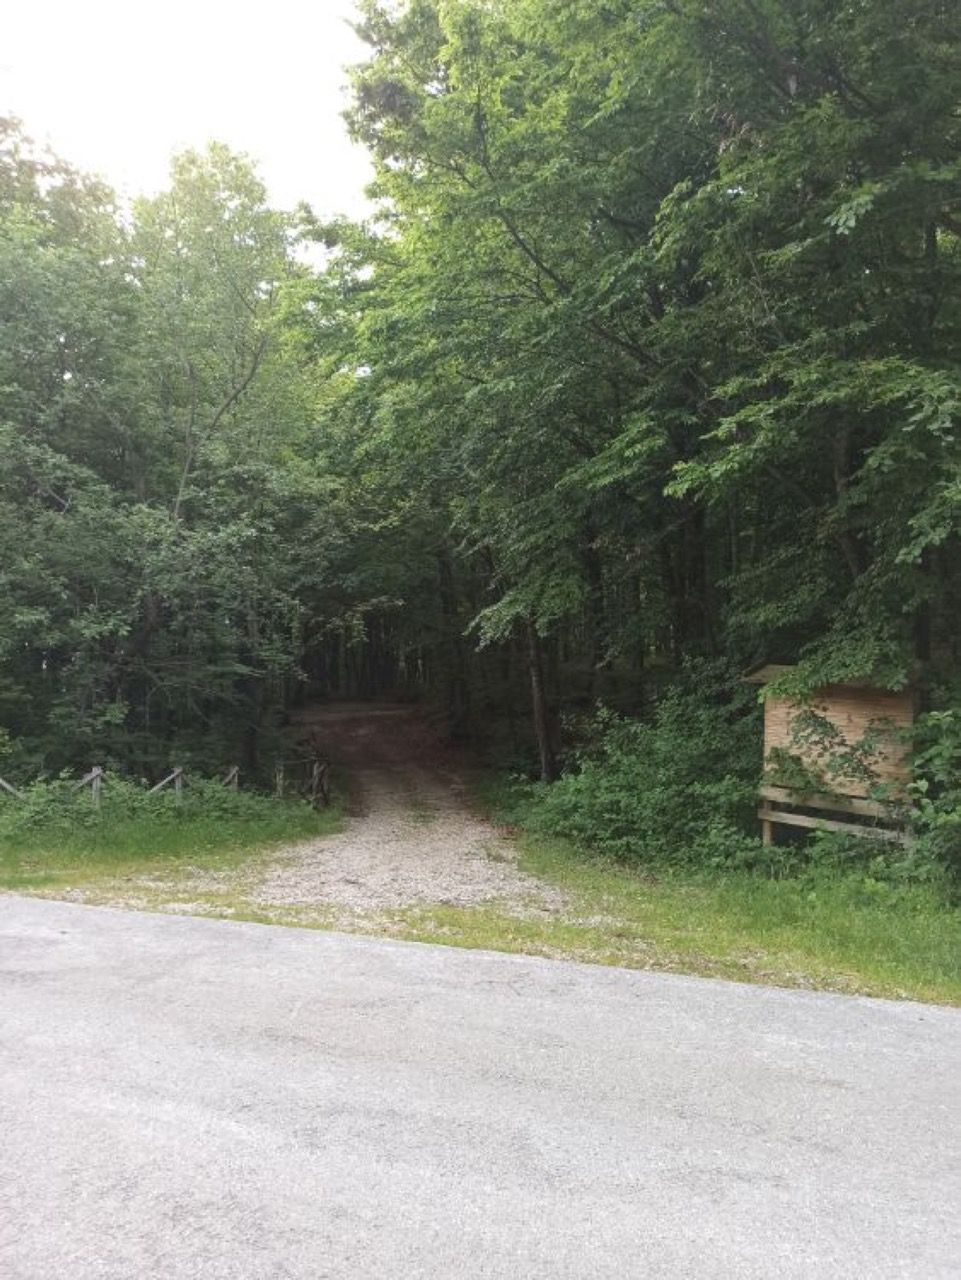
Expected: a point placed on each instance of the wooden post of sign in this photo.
(279, 780)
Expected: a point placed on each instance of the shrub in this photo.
(936, 789)
(56, 819)
(680, 788)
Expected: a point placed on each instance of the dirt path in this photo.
(411, 836)
(411, 841)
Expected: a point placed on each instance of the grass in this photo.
(55, 840)
(828, 931)
(828, 935)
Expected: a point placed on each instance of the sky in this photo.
(117, 86)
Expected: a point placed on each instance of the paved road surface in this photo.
(193, 1098)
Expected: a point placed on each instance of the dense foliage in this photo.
(159, 510)
(662, 791)
(671, 309)
(649, 354)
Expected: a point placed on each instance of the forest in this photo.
(644, 370)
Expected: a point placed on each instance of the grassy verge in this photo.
(830, 936)
(54, 839)
(825, 930)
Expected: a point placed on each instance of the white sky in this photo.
(116, 86)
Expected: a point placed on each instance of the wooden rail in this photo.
(854, 805)
(176, 777)
(317, 781)
(315, 785)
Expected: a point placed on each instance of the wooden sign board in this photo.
(855, 710)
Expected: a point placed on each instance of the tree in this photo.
(159, 462)
(650, 354)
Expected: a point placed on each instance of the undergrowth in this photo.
(679, 790)
(680, 787)
(820, 921)
(652, 831)
(54, 831)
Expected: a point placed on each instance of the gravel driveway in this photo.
(411, 835)
(197, 1098)
(411, 838)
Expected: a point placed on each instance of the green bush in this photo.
(680, 788)
(55, 822)
(936, 788)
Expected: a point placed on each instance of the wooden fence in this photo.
(308, 776)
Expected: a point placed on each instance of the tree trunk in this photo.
(596, 614)
(457, 692)
(539, 702)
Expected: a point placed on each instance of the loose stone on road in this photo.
(411, 839)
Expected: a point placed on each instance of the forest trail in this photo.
(411, 836)
(411, 841)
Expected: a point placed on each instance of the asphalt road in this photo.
(193, 1098)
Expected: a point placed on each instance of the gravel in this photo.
(394, 855)
(411, 836)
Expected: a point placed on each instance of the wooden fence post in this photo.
(176, 777)
(320, 783)
(279, 781)
(232, 779)
(93, 780)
